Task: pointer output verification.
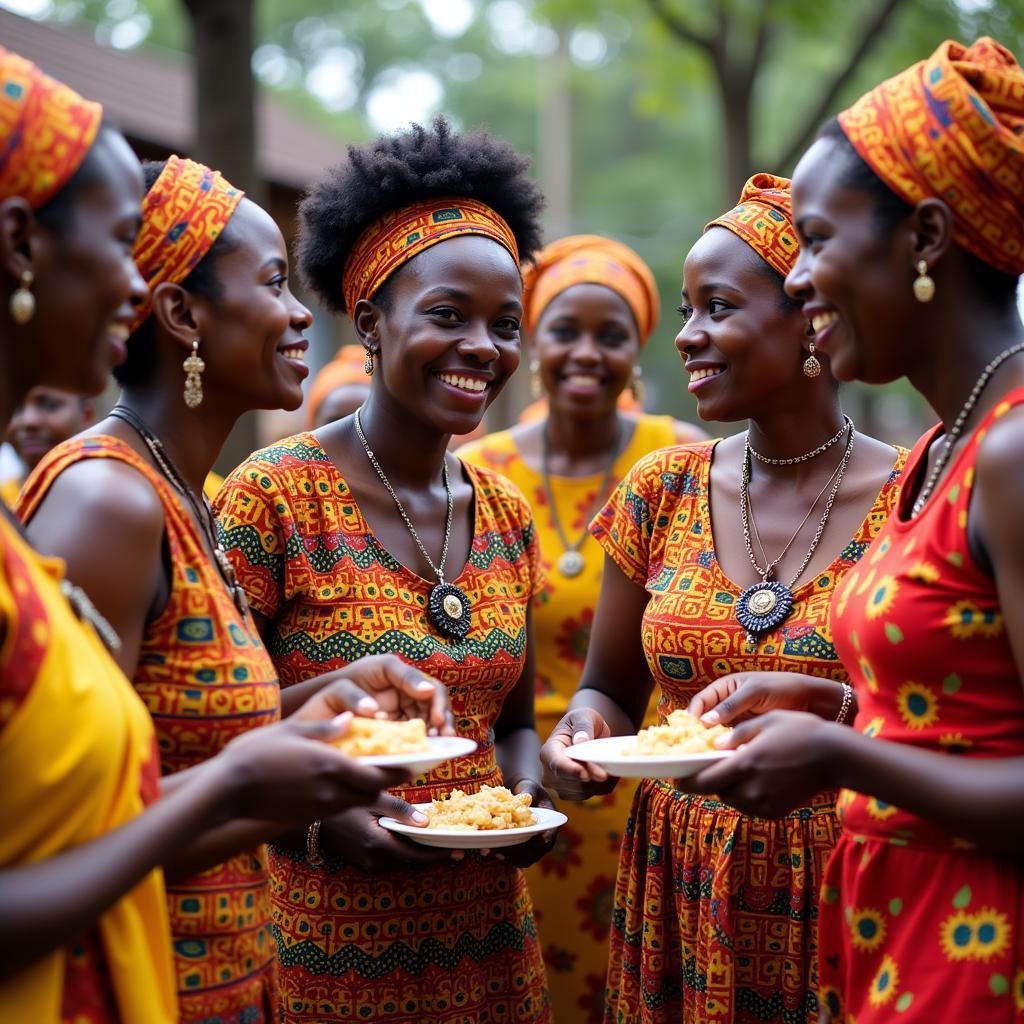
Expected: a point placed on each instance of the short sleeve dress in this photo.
(715, 914)
(454, 941)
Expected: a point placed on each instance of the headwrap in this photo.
(591, 259)
(952, 127)
(183, 214)
(46, 130)
(394, 239)
(345, 368)
(763, 219)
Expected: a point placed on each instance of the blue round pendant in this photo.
(764, 606)
(449, 611)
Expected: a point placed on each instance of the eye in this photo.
(613, 339)
(561, 332)
(445, 313)
(508, 324)
(685, 312)
(718, 306)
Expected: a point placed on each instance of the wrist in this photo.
(826, 700)
(836, 753)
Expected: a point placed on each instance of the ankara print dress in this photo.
(450, 942)
(919, 925)
(715, 915)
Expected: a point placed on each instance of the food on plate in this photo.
(681, 733)
(492, 807)
(367, 736)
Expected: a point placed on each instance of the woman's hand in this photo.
(525, 854)
(783, 759)
(743, 695)
(571, 779)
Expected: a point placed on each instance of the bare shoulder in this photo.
(1000, 460)
(875, 460)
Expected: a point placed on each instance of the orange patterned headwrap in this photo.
(952, 127)
(591, 259)
(398, 236)
(46, 130)
(763, 218)
(183, 214)
(345, 368)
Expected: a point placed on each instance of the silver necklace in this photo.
(202, 511)
(764, 606)
(449, 606)
(847, 422)
(570, 562)
(88, 612)
(958, 424)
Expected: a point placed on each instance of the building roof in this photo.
(149, 94)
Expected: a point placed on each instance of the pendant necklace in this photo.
(570, 561)
(200, 509)
(764, 606)
(449, 606)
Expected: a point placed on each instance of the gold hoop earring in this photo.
(536, 385)
(924, 286)
(368, 363)
(23, 302)
(637, 388)
(193, 367)
(812, 366)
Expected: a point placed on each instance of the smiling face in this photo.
(586, 343)
(447, 330)
(742, 344)
(46, 417)
(853, 276)
(252, 330)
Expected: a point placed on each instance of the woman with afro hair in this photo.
(366, 536)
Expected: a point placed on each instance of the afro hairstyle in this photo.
(397, 170)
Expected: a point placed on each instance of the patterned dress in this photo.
(715, 913)
(572, 887)
(206, 678)
(917, 924)
(451, 942)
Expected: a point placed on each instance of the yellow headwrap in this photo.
(952, 127)
(591, 259)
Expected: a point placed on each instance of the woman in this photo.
(142, 543)
(715, 913)
(430, 279)
(912, 245)
(590, 305)
(83, 920)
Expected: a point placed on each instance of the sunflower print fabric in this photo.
(905, 903)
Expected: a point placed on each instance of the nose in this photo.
(586, 349)
(798, 280)
(478, 342)
(691, 337)
(301, 318)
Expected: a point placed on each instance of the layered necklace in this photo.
(570, 561)
(201, 509)
(448, 606)
(764, 606)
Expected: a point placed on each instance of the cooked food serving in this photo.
(368, 736)
(493, 807)
(681, 733)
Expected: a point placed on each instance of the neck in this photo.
(795, 431)
(577, 439)
(410, 452)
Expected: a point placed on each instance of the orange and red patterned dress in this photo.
(206, 678)
(454, 941)
(715, 913)
(918, 924)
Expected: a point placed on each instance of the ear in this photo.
(366, 318)
(174, 309)
(17, 224)
(931, 234)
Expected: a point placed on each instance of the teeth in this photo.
(583, 380)
(294, 353)
(708, 371)
(466, 383)
(822, 320)
(119, 331)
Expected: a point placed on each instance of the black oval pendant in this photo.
(764, 606)
(449, 611)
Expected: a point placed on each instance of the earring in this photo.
(368, 363)
(193, 367)
(536, 386)
(924, 286)
(812, 367)
(637, 388)
(23, 302)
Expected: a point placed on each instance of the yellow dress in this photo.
(77, 759)
(573, 886)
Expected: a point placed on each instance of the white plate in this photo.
(607, 754)
(442, 748)
(484, 839)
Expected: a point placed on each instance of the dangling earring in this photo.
(924, 286)
(636, 386)
(368, 363)
(812, 368)
(193, 367)
(536, 385)
(23, 302)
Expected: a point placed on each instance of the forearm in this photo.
(294, 696)
(218, 845)
(620, 721)
(518, 753)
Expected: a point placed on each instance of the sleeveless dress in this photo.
(918, 925)
(715, 914)
(206, 678)
(77, 760)
(446, 943)
(572, 887)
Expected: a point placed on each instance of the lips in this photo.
(471, 385)
(296, 352)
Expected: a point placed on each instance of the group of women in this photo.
(188, 847)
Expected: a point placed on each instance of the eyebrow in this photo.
(447, 292)
(276, 262)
